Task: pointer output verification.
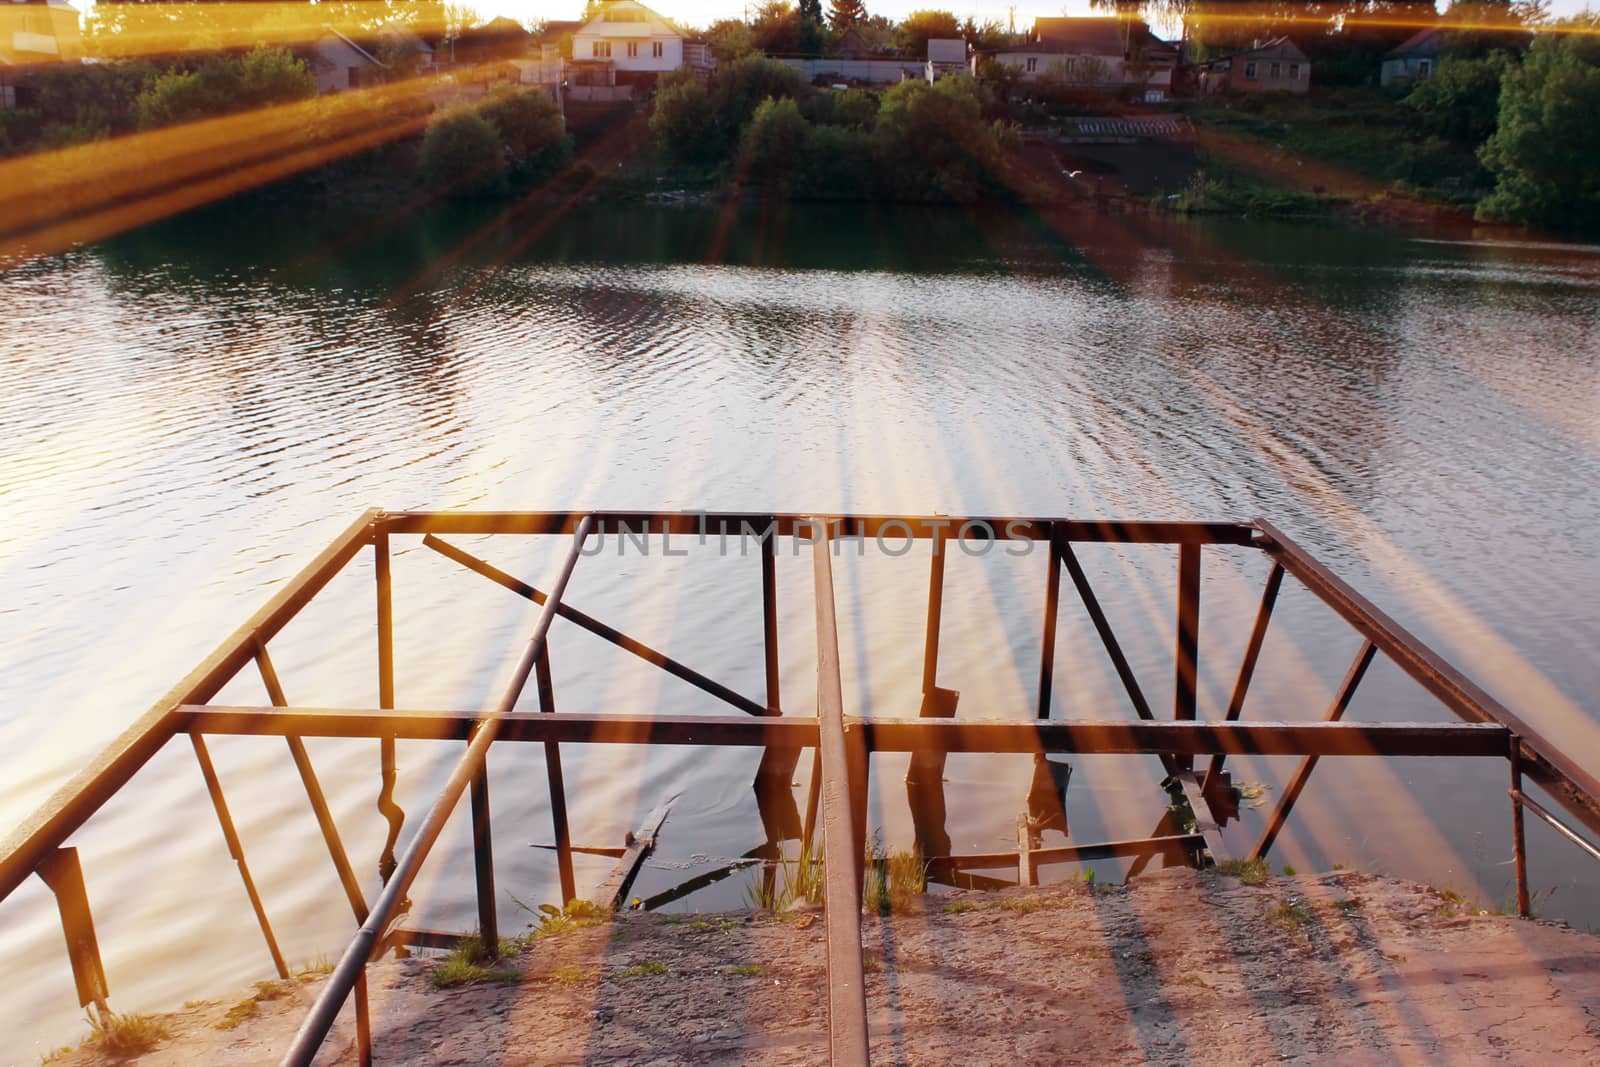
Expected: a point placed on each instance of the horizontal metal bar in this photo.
(754, 524)
(409, 725)
(71, 806)
(1113, 736)
(1555, 824)
(1099, 850)
(1569, 784)
(1129, 737)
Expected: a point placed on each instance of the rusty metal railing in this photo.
(843, 744)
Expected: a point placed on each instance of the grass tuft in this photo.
(1290, 915)
(1023, 905)
(643, 970)
(569, 974)
(894, 881)
(743, 969)
(468, 963)
(576, 915)
(1249, 872)
(797, 881)
(127, 1035)
(955, 907)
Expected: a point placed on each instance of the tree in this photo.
(530, 127)
(1462, 99)
(775, 142)
(811, 9)
(223, 84)
(685, 122)
(730, 39)
(843, 13)
(1544, 147)
(461, 154)
(918, 27)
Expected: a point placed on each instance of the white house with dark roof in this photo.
(628, 39)
(1101, 53)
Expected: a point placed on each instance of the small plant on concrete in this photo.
(468, 962)
(1290, 915)
(744, 969)
(643, 970)
(956, 906)
(127, 1035)
(795, 882)
(568, 974)
(894, 881)
(577, 914)
(1250, 872)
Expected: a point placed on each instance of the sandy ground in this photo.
(1178, 967)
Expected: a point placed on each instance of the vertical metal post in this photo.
(483, 864)
(1188, 644)
(1047, 656)
(61, 871)
(1247, 665)
(558, 789)
(1518, 843)
(930, 641)
(769, 618)
(319, 802)
(363, 1021)
(388, 771)
(236, 850)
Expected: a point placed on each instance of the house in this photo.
(851, 45)
(946, 57)
(1095, 53)
(1275, 66)
(499, 40)
(403, 52)
(340, 64)
(33, 34)
(1413, 59)
(624, 45)
(550, 48)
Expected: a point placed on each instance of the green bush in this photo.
(776, 143)
(224, 84)
(855, 107)
(685, 123)
(530, 127)
(933, 143)
(1462, 100)
(462, 155)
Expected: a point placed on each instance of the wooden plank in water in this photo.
(613, 892)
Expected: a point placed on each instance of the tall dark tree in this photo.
(811, 9)
(842, 13)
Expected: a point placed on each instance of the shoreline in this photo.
(1175, 966)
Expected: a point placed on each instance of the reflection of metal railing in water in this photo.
(843, 745)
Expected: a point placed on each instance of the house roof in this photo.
(1422, 43)
(1097, 36)
(368, 56)
(629, 18)
(1276, 48)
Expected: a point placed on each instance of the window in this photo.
(1294, 72)
(1033, 65)
(1424, 68)
(602, 50)
(633, 49)
(1275, 71)
(1249, 72)
(658, 49)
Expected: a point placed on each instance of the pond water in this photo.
(192, 411)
